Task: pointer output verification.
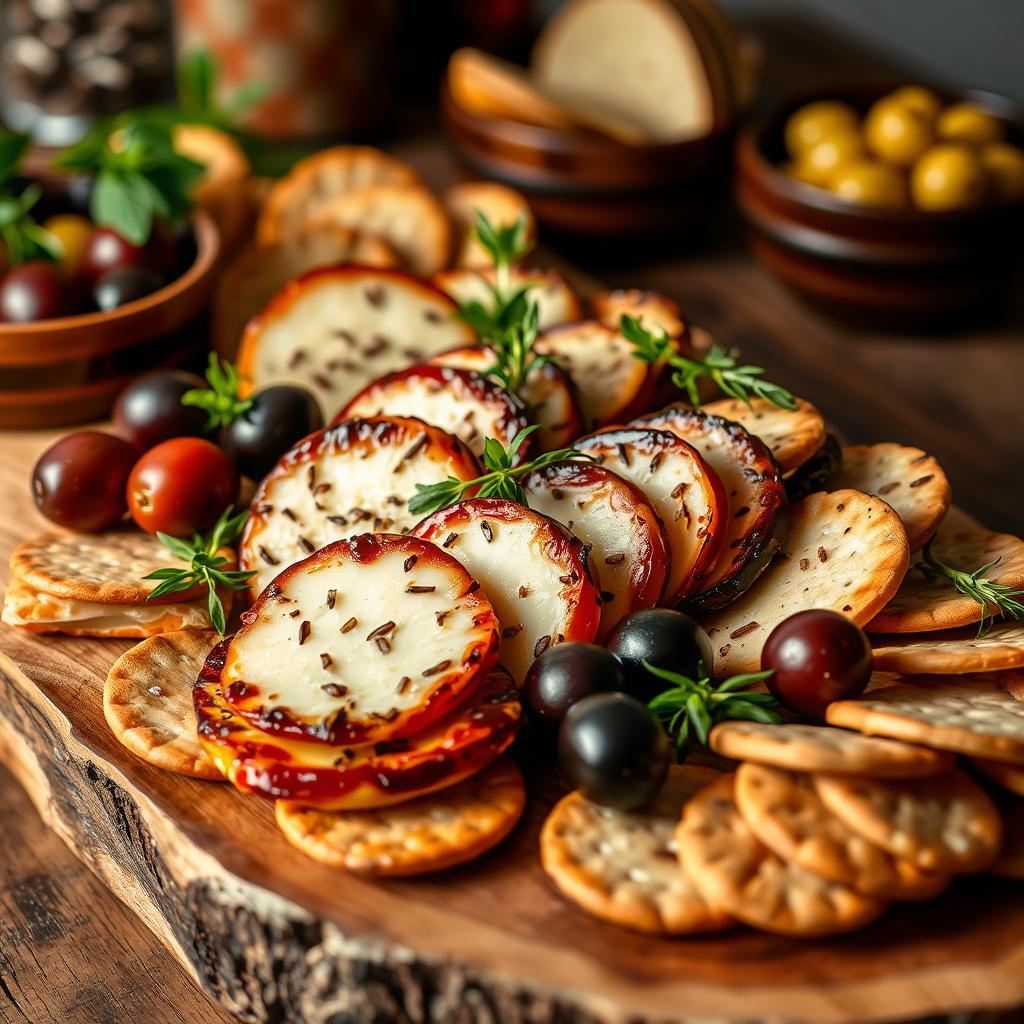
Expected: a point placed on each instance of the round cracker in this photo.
(1009, 776)
(822, 748)
(907, 478)
(407, 217)
(298, 197)
(846, 551)
(953, 652)
(733, 869)
(945, 823)
(981, 716)
(147, 701)
(258, 273)
(101, 568)
(425, 835)
(922, 605)
(793, 436)
(784, 811)
(501, 205)
(621, 866)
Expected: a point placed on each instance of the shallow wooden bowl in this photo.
(900, 269)
(586, 184)
(70, 369)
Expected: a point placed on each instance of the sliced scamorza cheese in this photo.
(619, 525)
(556, 301)
(613, 384)
(464, 742)
(655, 311)
(756, 497)
(353, 477)
(368, 639)
(459, 401)
(334, 330)
(684, 490)
(547, 392)
(536, 575)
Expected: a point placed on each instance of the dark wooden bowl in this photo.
(70, 369)
(885, 269)
(586, 184)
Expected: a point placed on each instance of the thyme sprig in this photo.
(720, 366)
(994, 598)
(690, 707)
(206, 565)
(221, 399)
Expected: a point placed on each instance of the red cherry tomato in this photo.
(817, 656)
(180, 487)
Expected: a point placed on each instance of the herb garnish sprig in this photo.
(690, 707)
(502, 480)
(221, 399)
(23, 238)
(206, 565)
(995, 598)
(719, 365)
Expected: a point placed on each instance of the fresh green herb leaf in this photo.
(502, 480)
(696, 705)
(205, 562)
(197, 75)
(995, 598)
(220, 400)
(13, 147)
(23, 238)
(719, 366)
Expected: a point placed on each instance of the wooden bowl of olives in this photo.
(76, 326)
(893, 208)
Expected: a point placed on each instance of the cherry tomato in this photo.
(180, 487)
(73, 234)
(107, 250)
(149, 410)
(34, 291)
(817, 656)
(79, 482)
(123, 285)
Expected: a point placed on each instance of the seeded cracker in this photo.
(952, 652)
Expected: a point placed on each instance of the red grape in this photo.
(34, 291)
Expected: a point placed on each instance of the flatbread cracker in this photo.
(733, 869)
(981, 716)
(792, 436)
(298, 197)
(922, 605)
(147, 701)
(258, 273)
(501, 205)
(407, 217)
(945, 823)
(420, 837)
(952, 652)
(845, 550)
(822, 748)
(785, 812)
(907, 478)
(622, 868)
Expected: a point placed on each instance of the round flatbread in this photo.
(420, 837)
(147, 701)
(622, 868)
(785, 812)
(945, 823)
(981, 716)
(953, 652)
(501, 205)
(733, 869)
(907, 478)
(821, 748)
(922, 605)
(792, 436)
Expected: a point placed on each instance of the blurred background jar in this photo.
(67, 63)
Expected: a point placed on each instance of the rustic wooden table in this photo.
(69, 951)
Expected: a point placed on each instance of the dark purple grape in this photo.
(122, 285)
(34, 291)
(564, 675)
(149, 410)
(614, 750)
(79, 482)
(278, 417)
(107, 250)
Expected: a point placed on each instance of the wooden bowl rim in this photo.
(752, 161)
(207, 240)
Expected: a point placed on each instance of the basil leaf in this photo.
(118, 203)
(13, 146)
